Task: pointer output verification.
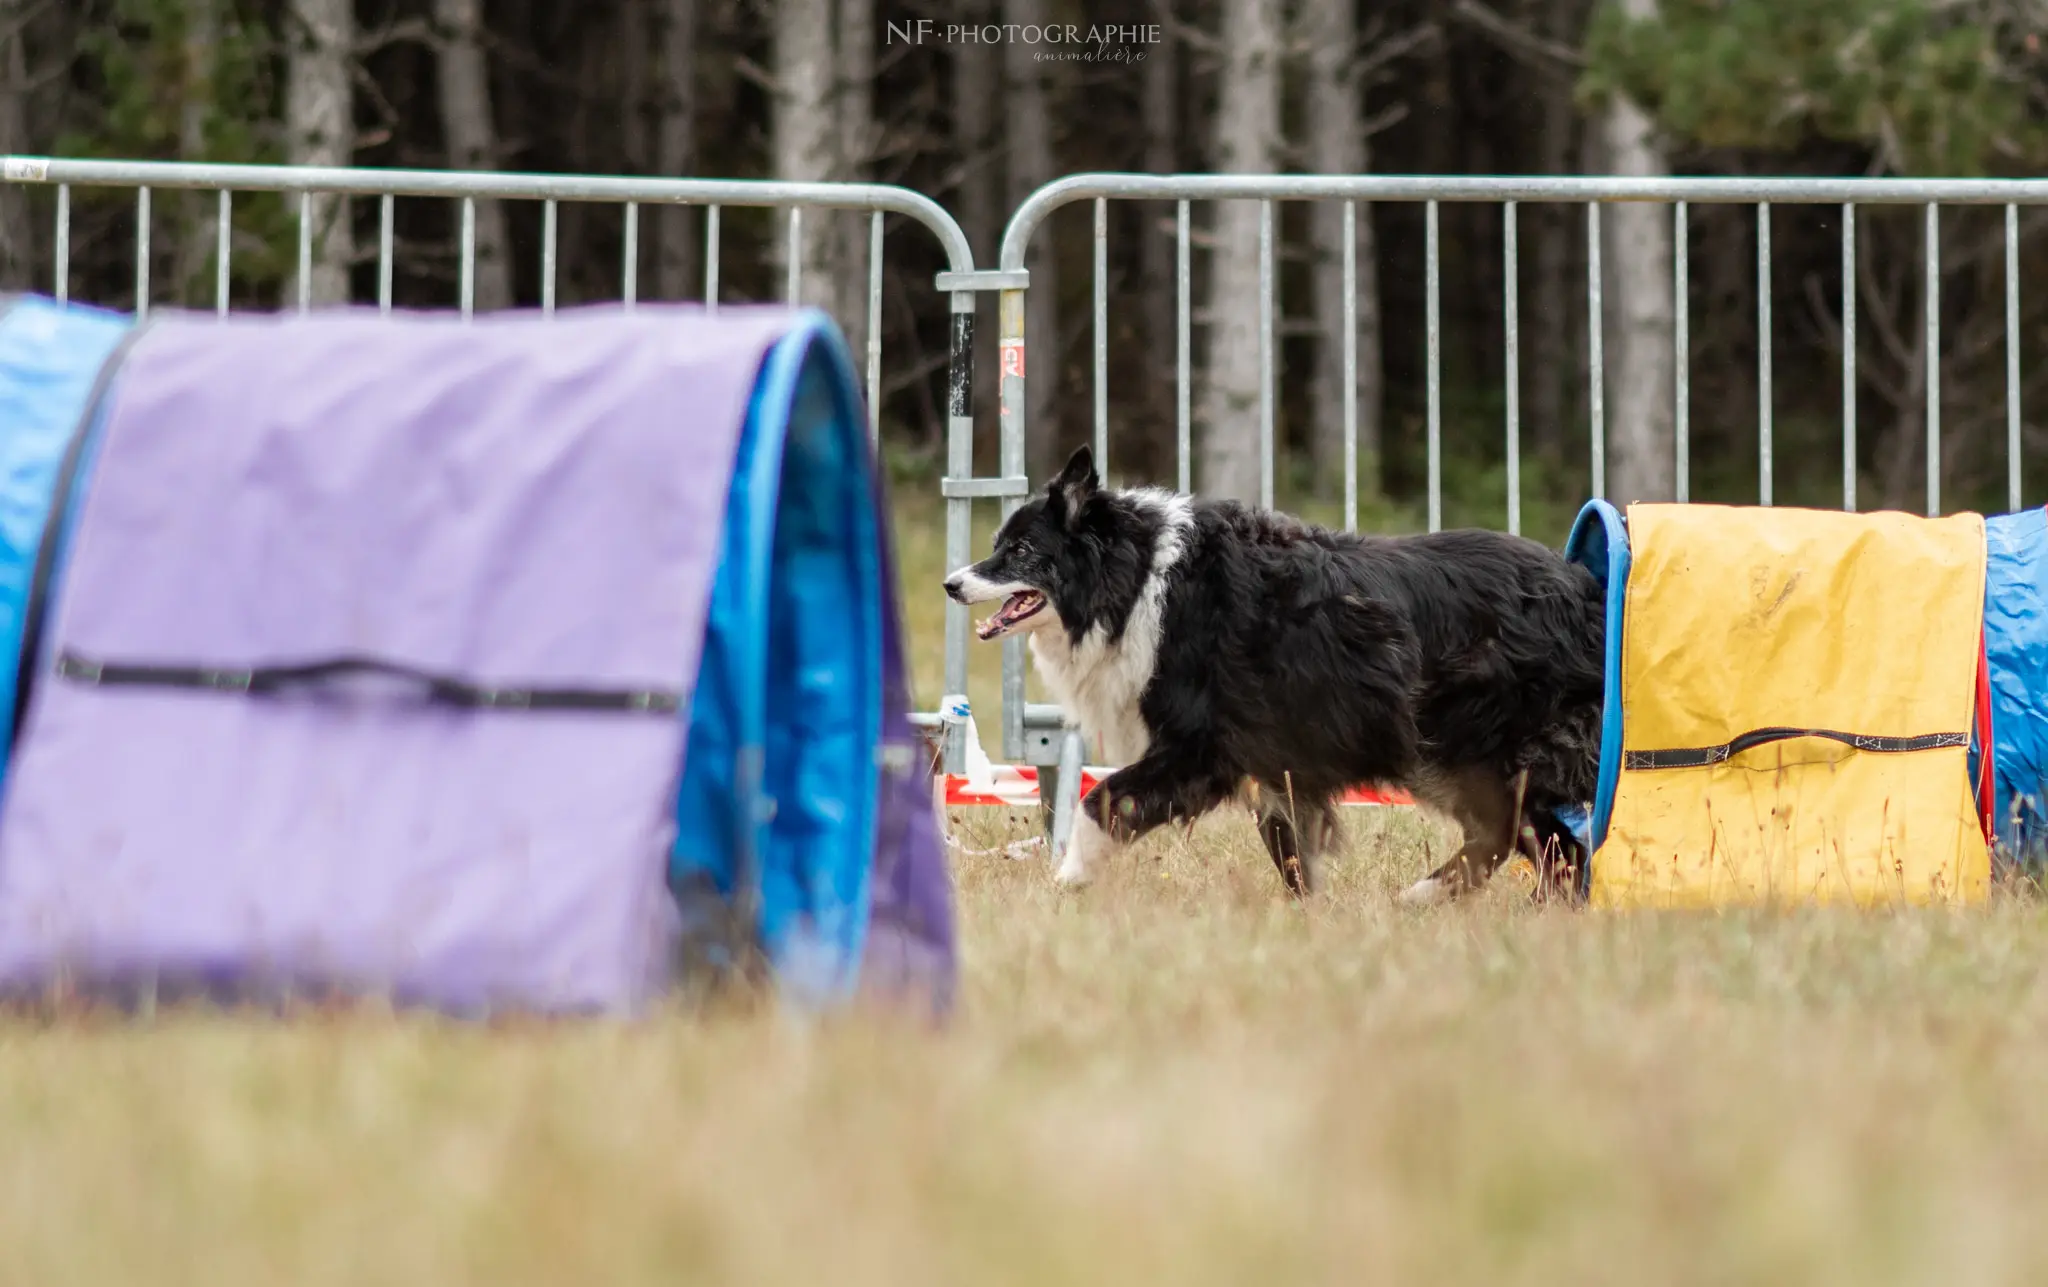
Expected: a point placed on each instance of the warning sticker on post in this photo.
(1013, 358)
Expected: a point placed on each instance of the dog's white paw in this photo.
(1427, 892)
(1086, 849)
(1072, 875)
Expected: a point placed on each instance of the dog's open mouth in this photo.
(1016, 609)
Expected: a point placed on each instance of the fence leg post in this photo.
(1065, 786)
(1010, 342)
(959, 509)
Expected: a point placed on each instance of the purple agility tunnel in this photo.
(529, 664)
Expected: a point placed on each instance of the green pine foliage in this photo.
(1928, 87)
(143, 80)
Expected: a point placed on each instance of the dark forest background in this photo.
(820, 89)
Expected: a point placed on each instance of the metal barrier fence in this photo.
(1033, 732)
(307, 183)
(144, 177)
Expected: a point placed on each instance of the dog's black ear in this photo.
(1078, 481)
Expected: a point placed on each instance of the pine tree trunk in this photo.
(1247, 135)
(1638, 289)
(471, 136)
(1029, 117)
(1550, 231)
(806, 136)
(975, 69)
(856, 112)
(1159, 253)
(676, 272)
(320, 130)
(17, 233)
(1337, 145)
(631, 56)
(198, 212)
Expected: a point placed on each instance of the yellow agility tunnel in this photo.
(1796, 705)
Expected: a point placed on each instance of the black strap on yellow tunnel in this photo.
(1702, 756)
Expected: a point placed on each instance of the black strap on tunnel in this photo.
(1700, 757)
(66, 484)
(439, 690)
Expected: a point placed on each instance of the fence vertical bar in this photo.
(223, 236)
(1933, 359)
(1266, 354)
(875, 331)
(1849, 356)
(959, 509)
(386, 217)
(1183, 284)
(793, 268)
(547, 257)
(141, 252)
(1010, 343)
(1596, 360)
(629, 258)
(1433, 320)
(1350, 287)
(468, 269)
(1763, 352)
(305, 250)
(2012, 358)
(1511, 287)
(1681, 354)
(711, 259)
(63, 268)
(1102, 336)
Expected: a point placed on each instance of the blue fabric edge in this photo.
(2015, 617)
(815, 968)
(1599, 543)
(87, 337)
(728, 715)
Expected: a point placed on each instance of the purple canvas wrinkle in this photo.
(512, 502)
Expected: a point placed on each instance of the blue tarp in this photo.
(51, 360)
(2016, 648)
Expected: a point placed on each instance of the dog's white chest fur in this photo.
(1097, 683)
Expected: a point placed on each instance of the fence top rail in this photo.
(365, 181)
(1574, 188)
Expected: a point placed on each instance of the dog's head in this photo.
(1052, 558)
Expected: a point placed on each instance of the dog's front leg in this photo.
(1134, 800)
(1087, 847)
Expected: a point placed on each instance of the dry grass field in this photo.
(1176, 1077)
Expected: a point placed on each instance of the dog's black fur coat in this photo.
(1307, 661)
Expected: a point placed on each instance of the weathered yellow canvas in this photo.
(1740, 619)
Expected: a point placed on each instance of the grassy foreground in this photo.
(1175, 1078)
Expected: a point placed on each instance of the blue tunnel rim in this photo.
(1599, 543)
(100, 340)
(810, 354)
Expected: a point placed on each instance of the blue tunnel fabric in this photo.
(776, 803)
(1599, 543)
(2016, 649)
(52, 357)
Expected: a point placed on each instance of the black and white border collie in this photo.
(1224, 652)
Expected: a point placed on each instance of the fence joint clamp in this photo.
(984, 488)
(986, 279)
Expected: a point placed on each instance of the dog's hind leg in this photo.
(1299, 832)
(1483, 806)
